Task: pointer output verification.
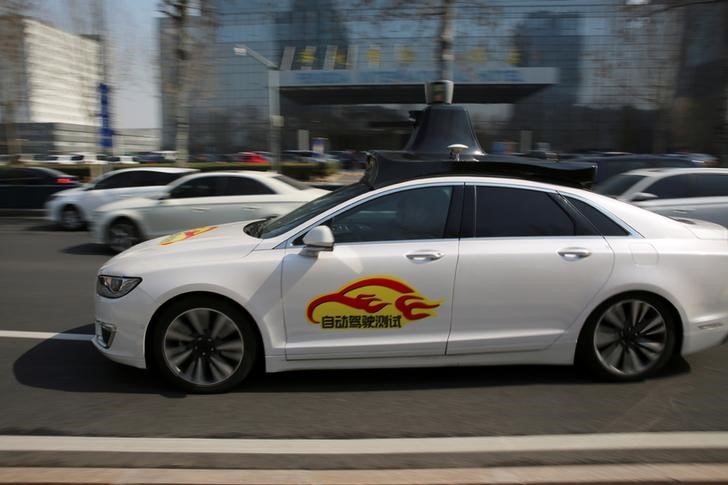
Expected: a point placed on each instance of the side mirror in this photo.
(643, 196)
(163, 197)
(318, 239)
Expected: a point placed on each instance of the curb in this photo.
(537, 475)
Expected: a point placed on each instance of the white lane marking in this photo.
(494, 444)
(45, 335)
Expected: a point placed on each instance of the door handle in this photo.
(420, 256)
(249, 208)
(574, 254)
(682, 211)
(199, 209)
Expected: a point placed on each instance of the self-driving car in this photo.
(440, 256)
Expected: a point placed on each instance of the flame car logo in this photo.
(374, 302)
(181, 236)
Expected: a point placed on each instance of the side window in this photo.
(243, 186)
(711, 185)
(674, 187)
(12, 176)
(603, 224)
(401, 216)
(117, 181)
(199, 187)
(509, 212)
(151, 178)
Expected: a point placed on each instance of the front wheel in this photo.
(204, 345)
(628, 338)
(71, 219)
(123, 234)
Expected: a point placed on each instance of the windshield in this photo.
(275, 227)
(617, 185)
(292, 182)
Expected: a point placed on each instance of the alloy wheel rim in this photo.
(203, 346)
(630, 337)
(122, 237)
(71, 219)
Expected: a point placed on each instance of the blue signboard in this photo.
(106, 132)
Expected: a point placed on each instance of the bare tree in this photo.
(12, 90)
(193, 23)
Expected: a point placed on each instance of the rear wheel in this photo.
(123, 234)
(628, 338)
(71, 219)
(204, 345)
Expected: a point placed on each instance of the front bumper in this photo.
(121, 326)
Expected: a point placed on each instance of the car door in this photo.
(672, 194)
(111, 188)
(527, 269)
(186, 206)
(385, 290)
(696, 196)
(244, 198)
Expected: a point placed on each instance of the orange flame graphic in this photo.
(181, 236)
(370, 303)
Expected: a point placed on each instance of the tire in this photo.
(71, 219)
(123, 234)
(628, 338)
(204, 345)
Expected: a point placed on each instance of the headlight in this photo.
(115, 286)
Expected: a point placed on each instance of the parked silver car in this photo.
(196, 200)
(694, 193)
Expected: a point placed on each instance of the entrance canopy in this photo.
(486, 86)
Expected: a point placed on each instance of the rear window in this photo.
(604, 225)
(617, 185)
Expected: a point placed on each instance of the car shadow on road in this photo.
(88, 249)
(44, 227)
(74, 366)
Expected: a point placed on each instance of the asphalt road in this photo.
(52, 387)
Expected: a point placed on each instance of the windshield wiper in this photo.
(257, 228)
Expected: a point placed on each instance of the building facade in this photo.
(622, 71)
(49, 81)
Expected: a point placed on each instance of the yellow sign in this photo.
(370, 303)
(181, 236)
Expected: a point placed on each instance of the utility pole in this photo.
(275, 120)
(178, 12)
(447, 39)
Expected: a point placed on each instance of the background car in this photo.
(251, 157)
(307, 156)
(695, 193)
(72, 208)
(200, 200)
(30, 187)
(609, 166)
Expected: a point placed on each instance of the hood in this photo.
(69, 192)
(704, 229)
(192, 246)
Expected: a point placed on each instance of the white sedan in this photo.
(438, 271)
(697, 193)
(72, 208)
(196, 200)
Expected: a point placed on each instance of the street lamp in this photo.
(274, 117)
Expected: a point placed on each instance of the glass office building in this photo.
(564, 74)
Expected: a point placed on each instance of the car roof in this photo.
(658, 172)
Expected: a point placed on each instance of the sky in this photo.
(134, 50)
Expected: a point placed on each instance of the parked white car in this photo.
(200, 200)
(71, 209)
(693, 193)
